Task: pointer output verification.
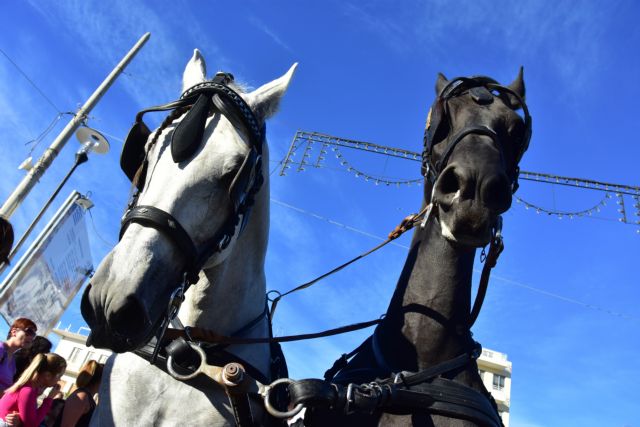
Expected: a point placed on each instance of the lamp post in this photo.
(25, 186)
(92, 141)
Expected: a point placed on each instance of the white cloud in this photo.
(256, 22)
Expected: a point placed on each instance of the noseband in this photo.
(482, 90)
(201, 99)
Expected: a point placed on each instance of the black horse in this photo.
(473, 144)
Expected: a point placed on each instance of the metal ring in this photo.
(174, 374)
(273, 411)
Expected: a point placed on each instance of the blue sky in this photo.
(563, 299)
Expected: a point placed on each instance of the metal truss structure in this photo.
(307, 142)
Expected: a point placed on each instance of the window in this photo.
(103, 359)
(481, 372)
(498, 382)
(90, 356)
(76, 356)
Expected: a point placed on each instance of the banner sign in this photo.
(48, 276)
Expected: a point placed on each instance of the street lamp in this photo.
(92, 141)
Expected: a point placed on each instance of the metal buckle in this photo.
(224, 242)
(399, 379)
(266, 393)
(350, 399)
(177, 297)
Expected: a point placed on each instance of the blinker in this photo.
(188, 135)
(133, 152)
(481, 95)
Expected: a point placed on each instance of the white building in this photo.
(495, 371)
(72, 347)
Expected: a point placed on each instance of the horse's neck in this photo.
(427, 317)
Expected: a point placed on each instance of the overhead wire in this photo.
(46, 98)
(477, 271)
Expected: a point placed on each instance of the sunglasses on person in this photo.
(30, 332)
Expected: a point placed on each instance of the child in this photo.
(44, 371)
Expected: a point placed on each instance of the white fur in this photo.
(133, 392)
(446, 232)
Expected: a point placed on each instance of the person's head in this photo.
(90, 375)
(45, 370)
(39, 345)
(22, 332)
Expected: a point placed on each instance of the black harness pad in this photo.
(133, 153)
(188, 135)
(481, 95)
(438, 125)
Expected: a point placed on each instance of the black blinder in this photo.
(188, 135)
(244, 179)
(133, 153)
(481, 95)
(437, 127)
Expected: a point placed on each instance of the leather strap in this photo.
(150, 216)
(210, 337)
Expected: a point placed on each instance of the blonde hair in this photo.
(90, 374)
(49, 362)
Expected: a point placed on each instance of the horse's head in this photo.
(474, 141)
(199, 176)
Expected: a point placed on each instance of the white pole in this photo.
(30, 180)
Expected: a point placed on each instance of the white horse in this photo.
(197, 187)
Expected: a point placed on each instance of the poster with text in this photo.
(51, 272)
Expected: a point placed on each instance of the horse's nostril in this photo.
(496, 193)
(448, 185)
(128, 319)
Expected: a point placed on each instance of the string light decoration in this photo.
(377, 180)
(567, 214)
(328, 142)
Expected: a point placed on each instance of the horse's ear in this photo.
(518, 87)
(195, 72)
(441, 82)
(265, 100)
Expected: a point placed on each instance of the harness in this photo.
(202, 351)
(199, 102)
(426, 390)
(481, 90)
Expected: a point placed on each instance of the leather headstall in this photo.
(482, 90)
(198, 102)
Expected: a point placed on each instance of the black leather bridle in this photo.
(482, 90)
(201, 99)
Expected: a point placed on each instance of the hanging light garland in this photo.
(376, 180)
(567, 214)
(327, 142)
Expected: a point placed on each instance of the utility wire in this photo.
(493, 276)
(31, 81)
(95, 230)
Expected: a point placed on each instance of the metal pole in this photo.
(81, 157)
(30, 180)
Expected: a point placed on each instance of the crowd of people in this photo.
(28, 369)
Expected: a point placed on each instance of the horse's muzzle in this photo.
(122, 326)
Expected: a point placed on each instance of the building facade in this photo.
(495, 371)
(72, 347)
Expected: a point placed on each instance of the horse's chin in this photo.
(102, 337)
(463, 234)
